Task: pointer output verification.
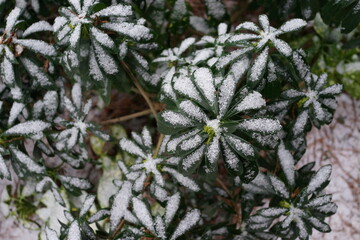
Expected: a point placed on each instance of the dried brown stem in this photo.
(127, 117)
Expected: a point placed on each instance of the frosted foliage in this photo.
(185, 86)
(172, 144)
(191, 143)
(117, 10)
(16, 109)
(252, 101)
(105, 60)
(102, 38)
(75, 182)
(282, 47)
(332, 90)
(213, 150)
(320, 225)
(193, 158)
(241, 145)
(185, 181)
(30, 165)
(27, 128)
(248, 26)
(12, 18)
(50, 104)
(50, 234)
(146, 137)
(138, 32)
(7, 71)
(259, 65)
(131, 148)
(120, 205)
(36, 72)
(293, 25)
(185, 45)
(279, 187)
(98, 215)
(175, 118)
(37, 46)
(143, 214)
(227, 90)
(172, 207)
(319, 201)
(287, 163)
(318, 179)
(179, 9)
(215, 8)
(262, 125)
(74, 231)
(204, 80)
(95, 70)
(190, 219)
(76, 95)
(193, 111)
(38, 27)
(264, 22)
(4, 171)
(230, 156)
(89, 201)
(273, 212)
(300, 123)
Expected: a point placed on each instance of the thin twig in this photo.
(127, 117)
(223, 186)
(158, 145)
(141, 90)
(118, 228)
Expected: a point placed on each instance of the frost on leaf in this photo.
(190, 220)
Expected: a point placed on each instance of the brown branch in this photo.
(118, 228)
(127, 117)
(158, 145)
(141, 90)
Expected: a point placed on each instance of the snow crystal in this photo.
(287, 163)
(29, 127)
(185, 181)
(264, 22)
(138, 32)
(171, 207)
(75, 36)
(248, 26)
(58, 23)
(213, 150)
(279, 187)
(252, 101)
(215, 8)
(98, 215)
(179, 10)
(115, 11)
(332, 90)
(50, 234)
(105, 60)
(241, 145)
(173, 143)
(95, 70)
(273, 212)
(191, 143)
(87, 204)
(102, 37)
(202, 55)
(76, 95)
(243, 37)
(319, 111)
(28, 162)
(282, 47)
(293, 25)
(300, 123)
(319, 201)
(204, 80)
(259, 65)
(199, 24)
(74, 231)
(160, 227)
(36, 72)
(131, 148)
(37, 46)
(7, 71)
(4, 171)
(159, 192)
(263, 125)
(38, 27)
(120, 205)
(302, 67)
(193, 111)
(146, 137)
(226, 93)
(175, 118)
(50, 104)
(143, 214)
(80, 183)
(16, 109)
(321, 176)
(11, 19)
(319, 225)
(222, 28)
(193, 158)
(185, 86)
(225, 60)
(230, 157)
(185, 45)
(190, 219)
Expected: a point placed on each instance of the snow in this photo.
(263, 125)
(259, 65)
(146, 137)
(114, 11)
(179, 10)
(102, 38)
(175, 118)
(50, 234)
(287, 163)
(106, 61)
(282, 47)
(193, 158)
(98, 215)
(37, 46)
(143, 214)
(204, 80)
(173, 143)
(240, 145)
(193, 111)
(29, 127)
(185, 86)
(191, 143)
(74, 231)
(36, 72)
(273, 212)
(215, 9)
(300, 122)
(132, 148)
(94, 69)
(171, 207)
(190, 220)
(51, 102)
(226, 93)
(138, 32)
(225, 60)
(7, 71)
(120, 205)
(292, 25)
(4, 171)
(230, 157)
(87, 204)
(332, 90)
(252, 101)
(11, 19)
(322, 175)
(248, 26)
(80, 183)
(319, 201)
(185, 181)
(264, 22)
(279, 187)
(185, 44)
(75, 36)
(30, 165)
(16, 109)
(38, 27)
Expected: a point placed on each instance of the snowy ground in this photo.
(338, 144)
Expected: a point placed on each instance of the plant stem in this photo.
(118, 228)
(158, 145)
(141, 90)
(127, 117)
